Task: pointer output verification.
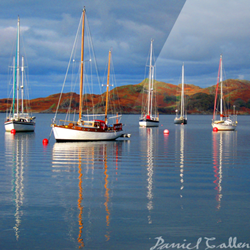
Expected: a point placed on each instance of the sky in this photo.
(192, 32)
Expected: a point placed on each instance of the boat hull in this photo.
(19, 126)
(148, 123)
(224, 126)
(67, 134)
(180, 121)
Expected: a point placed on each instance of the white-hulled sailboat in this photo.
(225, 123)
(181, 119)
(88, 129)
(149, 117)
(17, 119)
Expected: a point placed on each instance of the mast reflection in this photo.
(87, 158)
(181, 158)
(151, 135)
(15, 148)
(180, 153)
(80, 207)
(150, 170)
(106, 194)
(224, 145)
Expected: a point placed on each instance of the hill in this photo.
(129, 98)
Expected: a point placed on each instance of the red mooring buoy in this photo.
(215, 129)
(166, 131)
(13, 131)
(45, 141)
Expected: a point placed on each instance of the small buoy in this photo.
(215, 129)
(45, 141)
(13, 131)
(166, 131)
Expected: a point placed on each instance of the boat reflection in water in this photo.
(149, 147)
(224, 147)
(15, 150)
(86, 159)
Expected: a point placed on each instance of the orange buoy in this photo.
(215, 129)
(45, 141)
(13, 131)
(166, 131)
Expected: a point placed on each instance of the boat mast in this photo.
(152, 93)
(217, 85)
(14, 86)
(221, 90)
(182, 91)
(107, 91)
(82, 58)
(17, 66)
(22, 69)
(150, 79)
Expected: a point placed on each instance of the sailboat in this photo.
(148, 119)
(225, 123)
(181, 119)
(88, 129)
(17, 119)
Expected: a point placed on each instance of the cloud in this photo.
(126, 27)
(194, 32)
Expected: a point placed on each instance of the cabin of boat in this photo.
(90, 126)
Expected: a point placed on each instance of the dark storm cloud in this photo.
(194, 32)
(49, 27)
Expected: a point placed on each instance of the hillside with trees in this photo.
(129, 99)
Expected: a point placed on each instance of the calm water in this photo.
(186, 187)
